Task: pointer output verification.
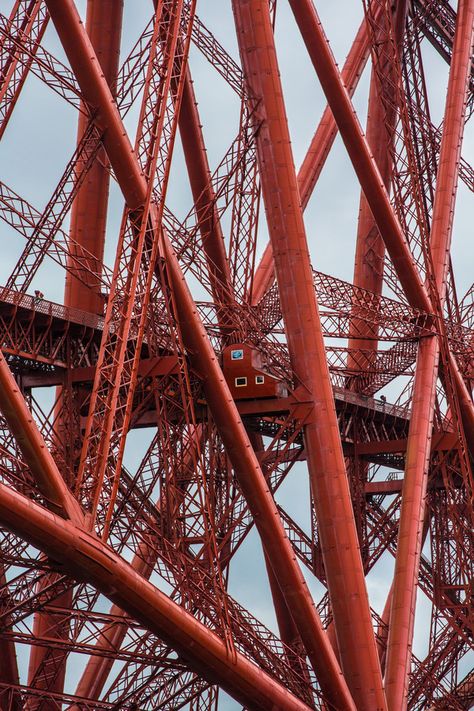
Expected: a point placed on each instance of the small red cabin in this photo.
(246, 375)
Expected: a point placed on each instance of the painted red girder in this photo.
(136, 349)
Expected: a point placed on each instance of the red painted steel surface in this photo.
(419, 438)
(218, 375)
(89, 211)
(303, 329)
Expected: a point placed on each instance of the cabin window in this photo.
(237, 354)
(240, 382)
(259, 379)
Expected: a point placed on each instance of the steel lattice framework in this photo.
(127, 568)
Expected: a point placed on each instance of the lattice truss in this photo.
(131, 466)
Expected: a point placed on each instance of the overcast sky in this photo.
(40, 141)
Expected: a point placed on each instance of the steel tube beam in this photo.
(87, 229)
(368, 273)
(317, 153)
(86, 558)
(329, 482)
(96, 92)
(89, 210)
(201, 187)
(359, 152)
(421, 425)
(256, 492)
(33, 447)
(9, 666)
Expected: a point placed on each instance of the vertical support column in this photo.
(88, 223)
(89, 210)
(200, 180)
(338, 534)
(419, 439)
(132, 182)
(317, 153)
(370, 249)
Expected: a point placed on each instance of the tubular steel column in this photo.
(89, 210)
(87, 229)
(200, 180)
(87, 558)
(317, 153)
(83, 61)
(368, 273)
(419, 439)
(359, 152)
(303, 329)
(370, 249)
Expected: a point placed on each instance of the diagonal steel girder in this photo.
(317, 153)
(277, 546)
(421, 426)
(33, 447)
(89, 209)
(87, 558)
(371, 181)
(329, 482)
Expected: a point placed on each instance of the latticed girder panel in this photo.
(230, 471)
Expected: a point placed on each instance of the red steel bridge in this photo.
(237, 369)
